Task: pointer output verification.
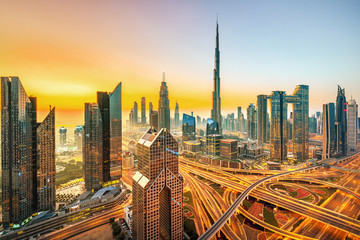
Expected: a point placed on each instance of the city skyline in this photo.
(253, 60)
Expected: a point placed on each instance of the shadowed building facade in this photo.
(157, 188)
(102, 151)
(262, 131)
(341, 122)
(28, 155)
(329, 134)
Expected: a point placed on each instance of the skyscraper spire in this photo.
(216, 104)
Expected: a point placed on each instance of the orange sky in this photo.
(65, 51)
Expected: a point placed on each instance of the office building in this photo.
(177, 116)
(329, 133)
(228, 149)
(154, 119)
(238, 120)
(300, 132)
(213, 144)
(212, 127)
(151, 108)
(251, 121)
(143, 111)
(157, 188)
(341, 122)
(62, 133)
(216, 100)
(46, 168)
(278, 126)
(312, 124)
(28, 155)
(78, 136)
(262, 119)
(102, 152)
(193, 147)
(164, 106)
(352, 125)
(188, 128)
(135, 112)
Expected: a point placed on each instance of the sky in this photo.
(65, 51)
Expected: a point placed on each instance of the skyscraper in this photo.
(150, 111)
(188, 128)
(352, 125)
(238, 125)
(341, 122)
(216, 101)
(300, 101)
(28, 155)
(154, 119)
(329, 134)
(103, 140)
(46, 163)
(62, 133)
(143, 111)
(157, 188)
(116, 134)
(251, 121)
(278, 136)
(78, 135)
(262, 119)
(177, 116)
(164, 106)
(135, 118)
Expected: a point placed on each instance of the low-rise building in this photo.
(228, 149)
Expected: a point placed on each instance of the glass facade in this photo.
(46, 168)
(300, 125)
(341, 122)
(278, 122)
(143, 111)
(93, 147)
(188, 128)
(27, 147)
(213, 144)
(116, 134)
(262, 119)
(329, 134)
(212, 127)
(251, 121)
(102, 152)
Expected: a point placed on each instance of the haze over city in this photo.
(180, 120)
(65, 51)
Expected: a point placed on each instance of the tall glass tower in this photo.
(157, 188)
(143, 110)
(262, 119)
(28, 155)
(102, 151)
(164, 106)
(278, 136)
(251, 121)
(216, 100)
(329, 136)
(300, 125)
(177, 116)
(341, 122)
(188, 128)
